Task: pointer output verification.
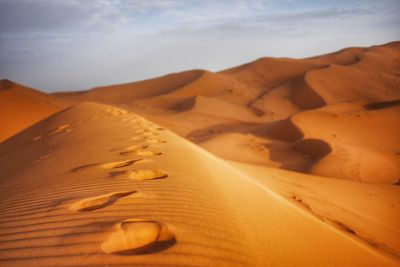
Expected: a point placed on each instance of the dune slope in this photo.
(369, 213)
(238, 108)
(21, 107)
(364, 142)
(97, 185)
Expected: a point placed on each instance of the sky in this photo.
(65, 45)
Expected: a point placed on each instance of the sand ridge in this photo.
(94, 184)
(188, 218)
(21, 107)
(268, 91)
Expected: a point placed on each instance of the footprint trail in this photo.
(98, 202)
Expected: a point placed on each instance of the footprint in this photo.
(117, 173)
(119, 164)
(148, 134)
(138, 236)
(155, 141)
(86, 166)
(154, 129)
(36, 138)
(116, 111)
(132, 149)
(138, 138)
(147, 153)
(126, 152)
(44, 156)
(59, 129)
(135, 147)
(99, 202)
(129, 148)
(147, 174)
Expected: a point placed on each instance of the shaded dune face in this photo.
(316, 148)
(304, 96)
(282, 130)
(380, 105)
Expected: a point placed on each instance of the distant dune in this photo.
(307, 115)
(21, 107)
(304, 168)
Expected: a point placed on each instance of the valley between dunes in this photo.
(277, 162)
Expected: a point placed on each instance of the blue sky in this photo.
(78, 44)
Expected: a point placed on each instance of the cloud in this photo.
(76, 44)
(81, 18)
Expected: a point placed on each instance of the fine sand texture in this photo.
(367, 212)
(74, 198)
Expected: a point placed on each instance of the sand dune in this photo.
(63, 210)
(126, 93)
(367, 212)
(21, 107)
(374, 76)
(364, 143)
(215, 110)
(112, 181)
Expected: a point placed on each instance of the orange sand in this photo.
(307, 171)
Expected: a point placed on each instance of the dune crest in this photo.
(269, 90)
(304, 169)
(190, 216)
(21, 107)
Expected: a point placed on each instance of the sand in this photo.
(369, 213)
(312, 101)
(69, 211)
(21, 107)
(277, 162)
